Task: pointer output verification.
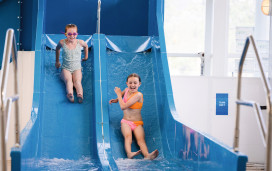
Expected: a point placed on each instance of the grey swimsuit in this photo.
(71, 57)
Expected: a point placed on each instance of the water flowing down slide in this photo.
(87, 136)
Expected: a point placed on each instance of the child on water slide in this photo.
(71, 66)
(132, 122)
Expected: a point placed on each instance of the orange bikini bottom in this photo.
(132, 124)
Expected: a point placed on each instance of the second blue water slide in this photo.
(65, 136)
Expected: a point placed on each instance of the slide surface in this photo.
(66, 133)
(180, 147)
(120, 64)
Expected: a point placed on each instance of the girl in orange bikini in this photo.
(132, 121)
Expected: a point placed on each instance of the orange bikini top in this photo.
(136, 105)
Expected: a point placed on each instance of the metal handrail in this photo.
(266, 133)
(6, 102)
(98, 16)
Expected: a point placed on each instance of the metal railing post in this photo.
(9, 50)
(16, 91)
(237, 121)
(266, 134)
(98, 16)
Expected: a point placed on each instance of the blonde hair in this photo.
(70, 26)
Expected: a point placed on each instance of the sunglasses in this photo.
(70, 34)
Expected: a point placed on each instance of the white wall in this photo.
(195, 100)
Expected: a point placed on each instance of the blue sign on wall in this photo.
(222, 104)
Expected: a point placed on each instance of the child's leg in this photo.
(140, 137)
(127, 133)
(66, 76)
(77, 77)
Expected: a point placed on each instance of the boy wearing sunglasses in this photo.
(71, 66)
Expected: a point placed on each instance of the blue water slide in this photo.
(59, 135)
(65, 136)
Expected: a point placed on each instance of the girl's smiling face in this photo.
(133, 84)
(71, 34)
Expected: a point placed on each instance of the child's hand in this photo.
(57, 64)
(117, 90)
(84, 59)
(113, 101)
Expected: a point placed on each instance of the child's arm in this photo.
(57, 64)
(85, 46)
(116, 100)
(133, 99)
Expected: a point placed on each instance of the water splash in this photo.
(56, 164)
(157, 164)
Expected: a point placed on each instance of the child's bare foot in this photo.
(133, 154)
(70, 97)
(80, 98)
(153, 155)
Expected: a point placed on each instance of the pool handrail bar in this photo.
(6, 102)
(266, 133)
